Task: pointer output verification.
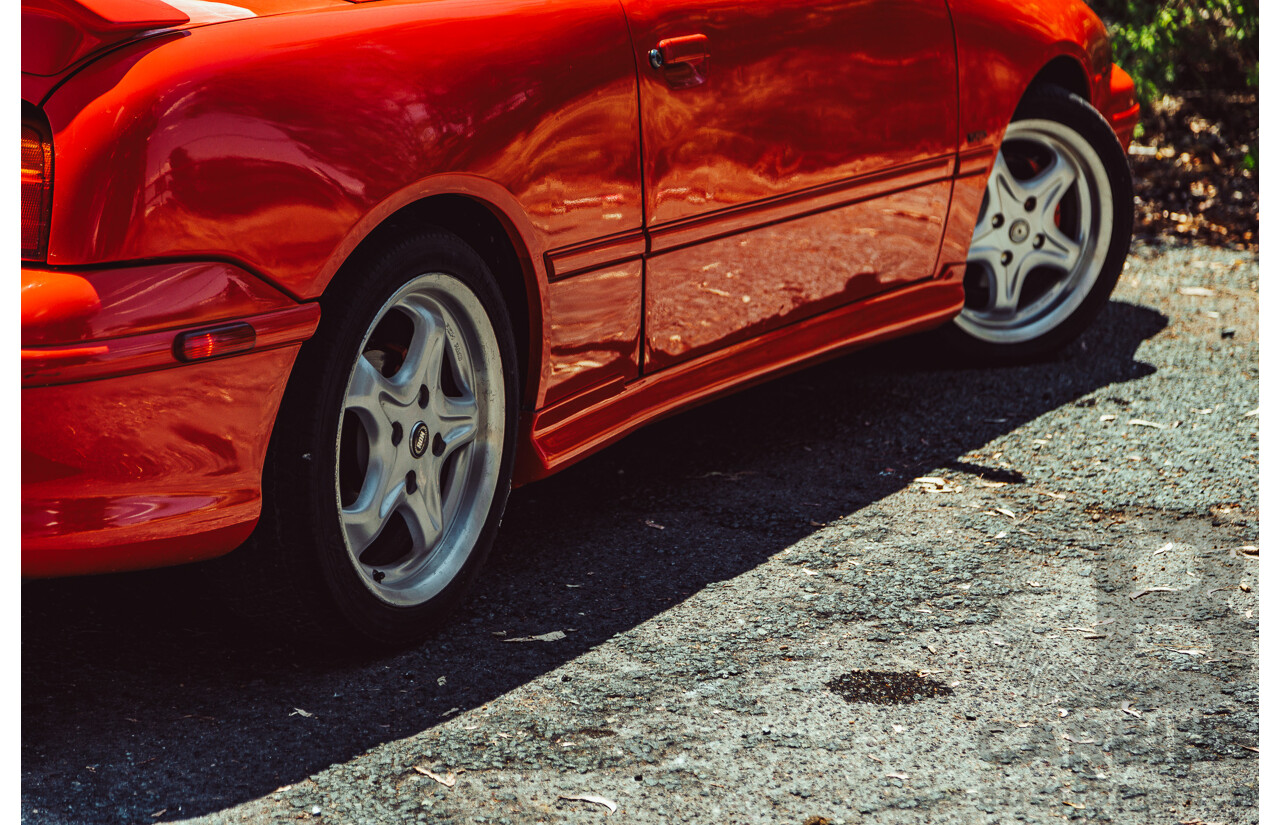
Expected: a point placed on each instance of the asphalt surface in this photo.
(710, 591)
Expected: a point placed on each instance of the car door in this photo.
(797, 157)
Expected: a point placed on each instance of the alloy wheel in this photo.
(1039, 243)
(420, 440)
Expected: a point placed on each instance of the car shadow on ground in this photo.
(141, 693)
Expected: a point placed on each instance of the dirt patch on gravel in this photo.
(878, 687)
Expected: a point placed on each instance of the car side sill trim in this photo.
(564, 433)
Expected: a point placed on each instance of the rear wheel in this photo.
(391, 461)
(1053, 231)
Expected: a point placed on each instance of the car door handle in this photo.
(681, 60)
(676, 50)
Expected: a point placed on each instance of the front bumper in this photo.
(1122, 106)
(130, 457)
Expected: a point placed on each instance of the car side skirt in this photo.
(561, 434)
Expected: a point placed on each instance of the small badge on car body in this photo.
(418, 439)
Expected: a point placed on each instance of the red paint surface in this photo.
(42, 366)
(593, 330)
(60, 306)
(704, 297)
(267, 141)
(1003, 45)
(966, 202)
(560, 435)
(57, 33)
(1122, 105)
(831, 157)
(149, 469)
(797, 95)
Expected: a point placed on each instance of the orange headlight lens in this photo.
(37, 185)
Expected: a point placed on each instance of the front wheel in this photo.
(392, 455)
(1053, 231)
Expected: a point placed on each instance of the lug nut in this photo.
(1030, 204)
(997, 221)
(411, 482)
(397, 433)
(1038, 242)
(424, 397)
(1006, 258)
(437, 446)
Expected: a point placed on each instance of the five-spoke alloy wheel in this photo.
(1053, 230)
(420, 442)
(392, 457)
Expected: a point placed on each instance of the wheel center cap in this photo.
(418, 439)
(1019, 231)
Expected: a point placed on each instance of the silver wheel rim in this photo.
(420, 437)
(1041, 237)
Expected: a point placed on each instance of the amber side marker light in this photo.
(211, 343)
(37, 184)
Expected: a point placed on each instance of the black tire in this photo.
(1021, 304)
(390, 313)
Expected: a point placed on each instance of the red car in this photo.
(324, 278)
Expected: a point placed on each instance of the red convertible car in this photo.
(321, 279)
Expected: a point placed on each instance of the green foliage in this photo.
(1184, 45)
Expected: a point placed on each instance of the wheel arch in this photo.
(1004, 50)
(495, 236)
(1065, 71)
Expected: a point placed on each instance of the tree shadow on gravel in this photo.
(141, 693)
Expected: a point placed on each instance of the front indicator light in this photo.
(212, 343)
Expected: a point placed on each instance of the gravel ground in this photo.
(759, 611)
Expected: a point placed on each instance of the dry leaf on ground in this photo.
(1071, 738)
(553, 636)
(597, 800)
(933, 484)
(448, 780)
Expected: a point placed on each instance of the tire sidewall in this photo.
(1070, 110)
(309, 454)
